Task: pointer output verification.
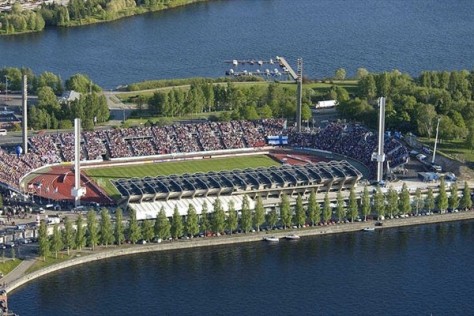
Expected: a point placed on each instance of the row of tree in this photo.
(414, 104)
(20, 21)
(92, 233)
(77, 12)
(250, 103)
(12, 78)
(49, 112)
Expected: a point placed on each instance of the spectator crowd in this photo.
(351, 140)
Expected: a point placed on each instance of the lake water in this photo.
(420, 270)
(196, 40)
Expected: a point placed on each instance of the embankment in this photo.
(234, 239)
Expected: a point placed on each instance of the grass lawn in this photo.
(453, 148)
(8, 265)
(102, 176)
(39, 264)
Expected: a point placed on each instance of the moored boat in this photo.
(271, 238)
(369, 229)
(292, 237)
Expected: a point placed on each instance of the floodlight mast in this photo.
(299, 94)
(436, 141)
(380, 157)
(25, 115)
(77, 191)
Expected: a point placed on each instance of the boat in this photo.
(292, 237)
(271, 238)
(369, 229)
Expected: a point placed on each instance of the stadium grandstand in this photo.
(149, 195)
(120, 145)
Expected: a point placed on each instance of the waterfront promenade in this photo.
(18, 276)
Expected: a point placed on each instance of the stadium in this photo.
(201, 161)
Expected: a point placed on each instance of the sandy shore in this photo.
(18, 277)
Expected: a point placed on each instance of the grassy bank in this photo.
(8, 265)
(111, 252)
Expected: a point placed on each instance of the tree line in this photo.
(233, 102)
(415, 104)
(49, 112)
(91, 232)
(77, 12)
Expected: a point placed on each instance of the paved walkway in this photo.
(18, 272)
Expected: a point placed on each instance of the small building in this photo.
(69, 96)
(326, 104)
(8, 119)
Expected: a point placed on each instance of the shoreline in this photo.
(235, 239)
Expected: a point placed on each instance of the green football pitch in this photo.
(103, 175)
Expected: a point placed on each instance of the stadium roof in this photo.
(327, 176)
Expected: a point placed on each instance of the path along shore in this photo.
(18, 276)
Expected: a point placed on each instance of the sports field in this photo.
(102, 176)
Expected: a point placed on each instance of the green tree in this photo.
(272, 218)
(453, 201)
(134, 233)
(300, 214)
(1, 201)
(47, 100)
(340, 209)
(466, 201)
(361, 73)
(340, 74)
(119, 229)
(470, 137)
(327, 210)
(285, 212)
(442, 198)
(68, 234)
(192, 222)
(259, 214)
(163, 226)
(147, 230)
(106, 229)
(379, 203)
(353, 207)
(404, 201)
(232, 220)
(176, 224)
(80, 233)
(43, 240)
(365, 203)
(418, 200)
(245, 215)
(205, 225)
(218, 218)
(430, 200)
(314, 211)
(92, 233)
(56, 241)
(392, 202)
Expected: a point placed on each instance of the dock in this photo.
(284, 63)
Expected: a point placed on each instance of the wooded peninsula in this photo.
(78, 12)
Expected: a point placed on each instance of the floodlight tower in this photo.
(436, 141)
(77, 191)
(379, 156)
(25, 114)
(299, 93)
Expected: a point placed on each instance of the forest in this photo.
(78, 12)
